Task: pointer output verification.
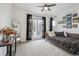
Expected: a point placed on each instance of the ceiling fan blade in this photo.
(51, 5)
(49, 9)
(45, 4)
(40, 6)
(42, 10)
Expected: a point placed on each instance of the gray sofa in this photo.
(70, 43)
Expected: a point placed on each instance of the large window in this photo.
(37, 28)
(54, 23)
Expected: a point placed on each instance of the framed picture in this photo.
(64, 21)
(78, 19)
(59, 22)
(75, 20)
(64, 26)
(75, 25)
(75, 14)
(64, 17)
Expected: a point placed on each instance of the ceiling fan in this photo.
(46, 7)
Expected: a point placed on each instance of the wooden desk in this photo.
(8, 32)
(7, 43)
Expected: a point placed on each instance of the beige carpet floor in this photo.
(40, 48)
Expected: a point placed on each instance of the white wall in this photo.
(47, 23)
(20, 16)
(59, 27)
(5, 15)
(5, 20)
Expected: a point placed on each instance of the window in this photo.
(54, 23)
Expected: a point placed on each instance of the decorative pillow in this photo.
(68, 34)
(1, 37)
(59, 33)
(65, 33)
(46, 34)
(51, 34)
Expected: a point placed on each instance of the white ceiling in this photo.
(32, 7)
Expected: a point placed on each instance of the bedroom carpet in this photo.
(40, 48)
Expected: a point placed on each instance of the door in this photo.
(36, 27)
(37, 31)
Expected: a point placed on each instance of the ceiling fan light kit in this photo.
(46, 7)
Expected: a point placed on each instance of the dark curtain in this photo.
(44, 27)
(51, 25)
(29, 16)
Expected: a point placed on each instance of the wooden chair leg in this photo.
(10, 53)
(7, 51)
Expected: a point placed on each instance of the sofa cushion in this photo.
(70, 42)
(60, 40)
(50, 34)
(65, 33)
(61, 34)
(74, 36)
